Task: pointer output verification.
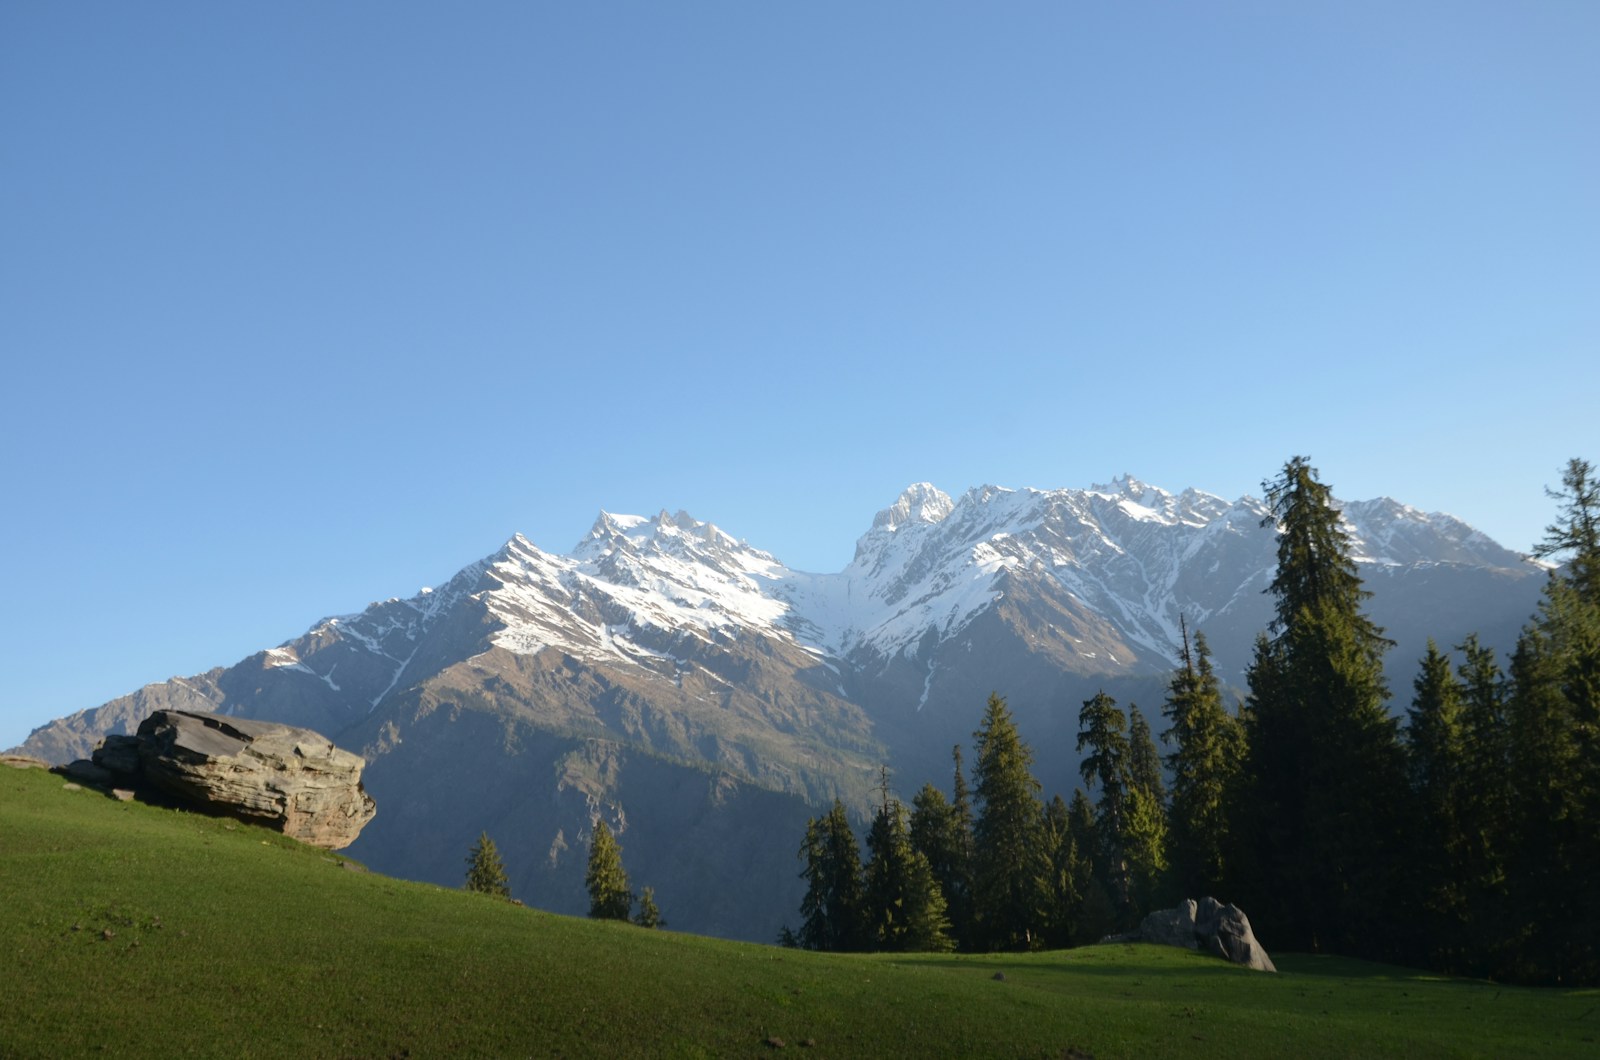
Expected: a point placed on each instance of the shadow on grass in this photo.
(1111, 960)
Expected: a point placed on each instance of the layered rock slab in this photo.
(293, 780)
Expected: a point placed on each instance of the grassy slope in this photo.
(227, 940)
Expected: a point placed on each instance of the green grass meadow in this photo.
(129, 930)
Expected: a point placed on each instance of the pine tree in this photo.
(1327, 781)
(937, 834)
(1010, 864)
(1097, 917)
(1553, 717)
(1436, 759)
(649, 915)
(832, 909)
(1065, 898)
(486, 873)
(1102, 728)
(1146, 840)
(1485, 812)
(609, 897)
(904, 909)
(1208, 747)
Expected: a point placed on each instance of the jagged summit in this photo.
(920, 502)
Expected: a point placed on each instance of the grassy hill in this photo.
(128, 930)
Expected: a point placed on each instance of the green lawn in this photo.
(134, 931)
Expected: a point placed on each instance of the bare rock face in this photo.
(291, 779)
(1220, 930)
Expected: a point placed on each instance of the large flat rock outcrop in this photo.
(291, 779)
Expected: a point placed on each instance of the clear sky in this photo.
(304, 305)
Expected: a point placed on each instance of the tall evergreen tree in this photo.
(1096, 916)
(1553, 717)
(1208, 747)
(1102, 728)
(486, 873)
(1146, 839)
(833, 906)
(609, 896)
(1436, 760)
(1065, 899)
(905, 910)
(1010, 863)
(1326, 766)
(937, 835)
(1485, 811)
(942, 830)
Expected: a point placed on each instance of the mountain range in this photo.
(705, 699)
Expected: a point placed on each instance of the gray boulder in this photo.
(293, 780)
(1220, 930)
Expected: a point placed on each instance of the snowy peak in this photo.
(921, 502)
(1386, 532)
(1136, 555)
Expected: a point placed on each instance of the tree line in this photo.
(1466, 840)
(610, 897)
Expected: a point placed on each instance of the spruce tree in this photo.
(486, 874)
(1326, 767)
(1065, 897)
(1102, 728)
(1436, 760)
(904, 909)
(832, 910)
(1208, 748)
(1553, 717)
(1146, 839)
(1486, 818)
(649, 914)
(1096, 916)
(609, 897)
(1010, 864)
(938, 835)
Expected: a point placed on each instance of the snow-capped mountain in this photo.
(679, 681)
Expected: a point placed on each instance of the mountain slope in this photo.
(679, 682)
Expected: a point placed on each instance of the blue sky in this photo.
(305, 305)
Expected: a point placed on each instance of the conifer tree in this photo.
(1327, 780)
(1436, 761)
(1010, 863)
(937, 833)
(1208, 746)
(1146, 840)
(609, 896)
(649, 914)
(1102, 728)
(904, 909)
(1096, 917)
(1553, 716)
(833, 907)
(1485, 812)
(486, 873)
(1065, 898)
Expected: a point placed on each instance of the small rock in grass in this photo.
(1000, 976)
(808, 1043)
(775, 1042)
(107, 935)
(70, 786)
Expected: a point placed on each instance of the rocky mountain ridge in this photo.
(678, 681)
